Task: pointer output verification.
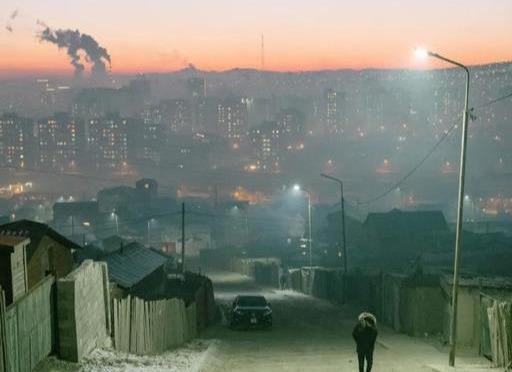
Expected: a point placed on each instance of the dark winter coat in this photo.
(365, 336)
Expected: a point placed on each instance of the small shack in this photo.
(47, 252)
(13, 267)
(136, 269)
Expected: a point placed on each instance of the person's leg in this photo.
(369, 360)
(360, 358)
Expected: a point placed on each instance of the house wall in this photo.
(49, 256)
(152, 285)
(5, 275)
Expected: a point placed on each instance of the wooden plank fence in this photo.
(3, 362)
(152, 327)
(500, 329)
(27, 330)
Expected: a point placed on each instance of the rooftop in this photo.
(133, 263)
(9, 241)
(35, 231)
(410, 221)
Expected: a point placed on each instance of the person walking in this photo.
(284, 277)
(365, 335)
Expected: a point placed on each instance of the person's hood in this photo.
(366, 315)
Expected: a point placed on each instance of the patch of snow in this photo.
(181, 359)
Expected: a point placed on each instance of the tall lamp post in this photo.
(460, 202)
(150, 221)
(342, 205)
(298, 189)
(115, 217)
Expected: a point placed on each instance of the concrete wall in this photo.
(83, 310)
(421, 310)
(468, 318)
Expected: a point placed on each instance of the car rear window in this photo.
(252, 301)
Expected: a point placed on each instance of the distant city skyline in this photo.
(161, 36)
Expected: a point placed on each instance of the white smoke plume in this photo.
(73, 42)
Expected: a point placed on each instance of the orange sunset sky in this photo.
(158, 35)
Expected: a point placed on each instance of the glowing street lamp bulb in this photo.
(296, 187)
(421, 53)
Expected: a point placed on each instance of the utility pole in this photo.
(148, 233)
(183, 238)
(345, 258)
(310, 233)
(262, 52)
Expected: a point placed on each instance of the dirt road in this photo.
(309, 335)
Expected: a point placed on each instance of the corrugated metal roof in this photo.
(132, 264)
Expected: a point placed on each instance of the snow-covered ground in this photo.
(311, 334)
(183, 359)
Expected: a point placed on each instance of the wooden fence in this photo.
(26, 329)
(152, 327)
(3, 367)
(500, 330)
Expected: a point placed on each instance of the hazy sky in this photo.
(164, 35)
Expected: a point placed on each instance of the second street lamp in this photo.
(297, 188)
(342, 206)
(423, 53)
(116, 220)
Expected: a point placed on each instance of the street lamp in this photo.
(423, 53)
(342, 205)
(149, 231)
(297, 188)
(114, 216)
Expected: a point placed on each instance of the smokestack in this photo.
(74, 42)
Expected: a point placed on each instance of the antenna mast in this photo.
(262, 52)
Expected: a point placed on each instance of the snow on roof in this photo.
(133, 263)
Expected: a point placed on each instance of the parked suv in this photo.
(251, 311)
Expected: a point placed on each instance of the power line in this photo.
(412, 171)
(471, 113)
(495, 100)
